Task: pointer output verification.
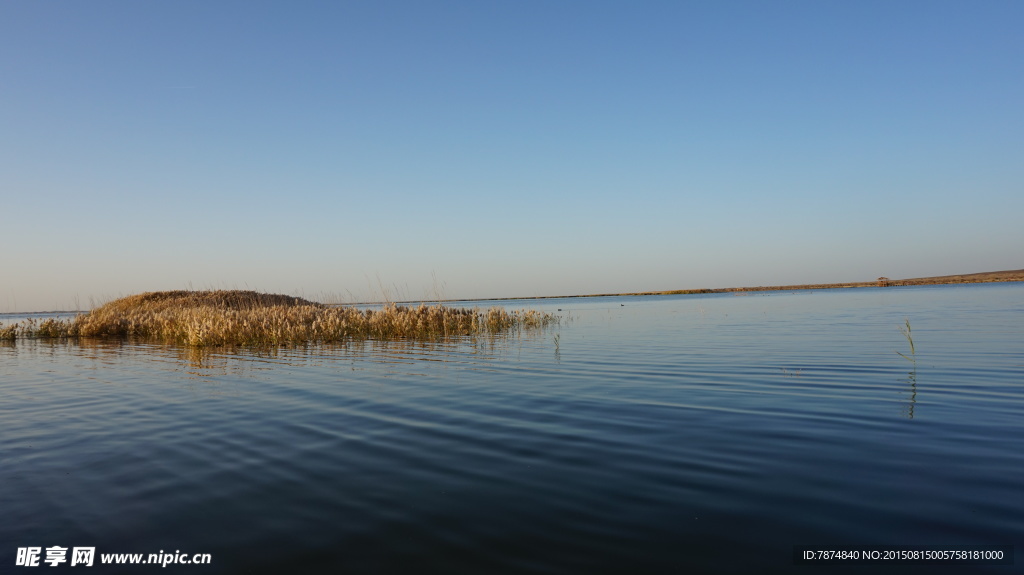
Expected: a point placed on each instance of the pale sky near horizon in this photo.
(495, 149)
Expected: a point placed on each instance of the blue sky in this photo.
(493, 149)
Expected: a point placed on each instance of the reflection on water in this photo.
(698, 433)
(911, 381)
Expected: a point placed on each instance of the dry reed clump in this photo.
(210, 318)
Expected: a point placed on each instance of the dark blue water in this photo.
(705, 434)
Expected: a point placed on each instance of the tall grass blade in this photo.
(910, 339)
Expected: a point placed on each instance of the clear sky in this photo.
(503, 148)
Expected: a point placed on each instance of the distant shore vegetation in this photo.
(249, 318)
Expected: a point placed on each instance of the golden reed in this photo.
(234, 317)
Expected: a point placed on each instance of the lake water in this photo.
(703, 434)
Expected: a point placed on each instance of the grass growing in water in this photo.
(234, 317)
(910, 339)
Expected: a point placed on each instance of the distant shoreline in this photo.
(984, 277)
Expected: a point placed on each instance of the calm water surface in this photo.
(705, 434)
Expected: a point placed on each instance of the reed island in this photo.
(249, 318)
